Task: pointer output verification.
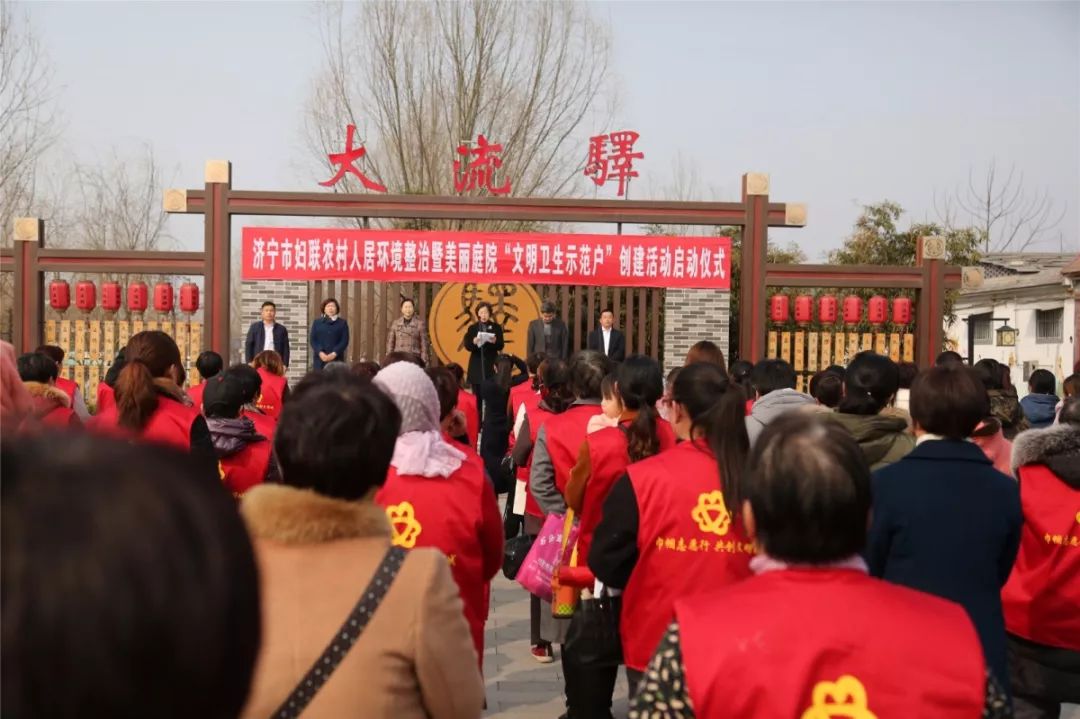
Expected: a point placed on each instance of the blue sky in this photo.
(842, 103)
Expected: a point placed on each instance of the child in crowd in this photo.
(611, 406)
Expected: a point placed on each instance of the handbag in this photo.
(544, 556)
(514, 552)
(344, 638)
(565, 595)
(593, 635)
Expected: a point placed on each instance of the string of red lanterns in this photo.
(112, 293)
(877, 310)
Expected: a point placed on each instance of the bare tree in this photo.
(1007, 217)
(117, 205)
(419, 79)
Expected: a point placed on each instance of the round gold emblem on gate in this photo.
(454, 309)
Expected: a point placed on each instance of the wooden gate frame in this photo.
(218, 203)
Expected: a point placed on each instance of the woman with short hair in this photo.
(810, 634)
(130, 587)
(407, 332)
(945, 521)
(328, 567)
(329, 335)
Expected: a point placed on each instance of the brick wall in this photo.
(291, 299)
(691, 316)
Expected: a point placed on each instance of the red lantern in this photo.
(779, 308)
(877, 310)
(85, 295)
(852, 310)
(110, 296)
(826, 309)
(163, 297)
(189, 297)
(804, 309)
(138, 295)
(59, 295)
(901, 311)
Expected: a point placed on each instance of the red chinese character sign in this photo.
(611, 157)
(275, 253)
(345, 162)
(479, 172)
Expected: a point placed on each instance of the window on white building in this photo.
(1049, 326)
(984, 334)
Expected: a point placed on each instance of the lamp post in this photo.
(1006, 336)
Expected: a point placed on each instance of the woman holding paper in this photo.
(484, 341)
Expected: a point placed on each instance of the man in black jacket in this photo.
(267, 334)
(548, 334)
(607, 339)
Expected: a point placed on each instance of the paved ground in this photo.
(517, 686)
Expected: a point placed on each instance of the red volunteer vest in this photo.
(68, 387)
(169, 424)
(829, 643)
(271, 394)
(521, 394)
(688, 543)
(608, 461)
(245, 469)
(105, 398)
(1041, 600)
(62, 417)
(537, 417)
(466, 402)
(445, 513)
(195, 393)
(565, 433)
(264, 423)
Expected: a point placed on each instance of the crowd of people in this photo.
(897, 541)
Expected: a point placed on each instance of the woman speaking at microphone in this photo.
(484, 341)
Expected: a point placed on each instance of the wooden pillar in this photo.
(755, 198)
(29, 286)
(930, 256)
(218, 223)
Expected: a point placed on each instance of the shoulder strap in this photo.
(345, 638)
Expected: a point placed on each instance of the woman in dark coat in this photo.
(495, 427)
(945, 521)
(482, 356)
(329, 336)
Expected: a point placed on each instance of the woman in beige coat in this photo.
(319, 539)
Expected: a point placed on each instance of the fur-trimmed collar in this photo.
(300, 516)
(48, 392)
(1057, 446)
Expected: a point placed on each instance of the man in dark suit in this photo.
(548, 334)
(607, 339)
(267, 334)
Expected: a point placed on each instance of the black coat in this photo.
(482, 359)
(256, 339)
(560, 339)
(946, 522)
(616, 346)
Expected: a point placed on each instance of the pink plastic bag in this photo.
(539, 564)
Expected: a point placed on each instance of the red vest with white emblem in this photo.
(537, 417)
(823, 643)
(688, 542)
(1041, 600)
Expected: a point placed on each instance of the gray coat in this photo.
(560, 339)
(771, 406)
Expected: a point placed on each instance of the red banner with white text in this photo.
(280, 253)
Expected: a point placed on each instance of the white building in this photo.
(1037, 294)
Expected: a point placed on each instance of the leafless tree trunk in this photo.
(28, 126)
(420, 78)
(1007, 217)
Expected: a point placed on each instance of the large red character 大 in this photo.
(345, 163)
